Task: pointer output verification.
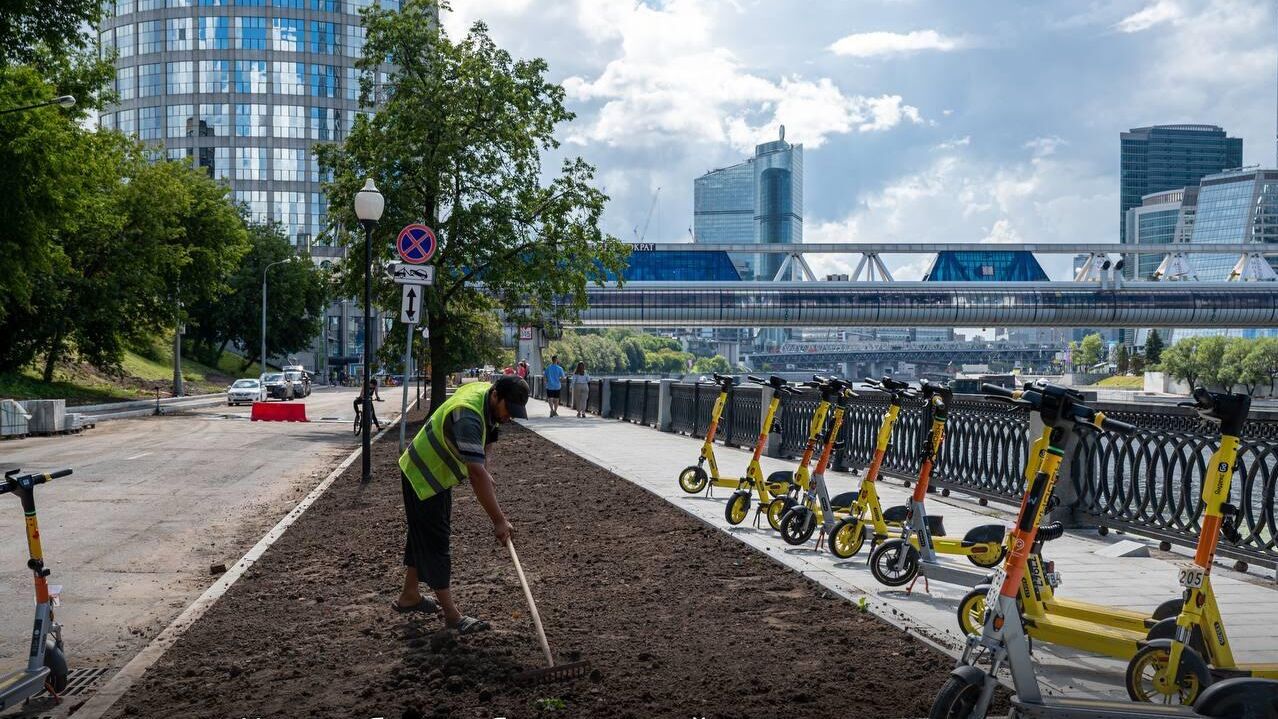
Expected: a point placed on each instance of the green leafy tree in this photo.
(1153, 347)
(1123, 360)
(716, 364)
(1262, 360)
(1235, 369)
(32, 28)
(1179, 361)
(1091, 351)
(666, 361)
(1073, 354)
(458, 145)
(1209, 358)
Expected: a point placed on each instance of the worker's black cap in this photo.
(515, 391)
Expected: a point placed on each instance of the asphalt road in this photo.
(152, 504)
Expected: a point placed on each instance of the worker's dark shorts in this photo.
(429, 523)
(552, 394)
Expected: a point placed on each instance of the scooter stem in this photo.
(532, 606)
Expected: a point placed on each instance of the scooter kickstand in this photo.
(926, 589)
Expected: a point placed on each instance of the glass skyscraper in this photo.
(1162, 218)
(245, 89)
(759, 201)
(1170, 157)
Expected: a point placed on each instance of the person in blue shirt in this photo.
(554, 384)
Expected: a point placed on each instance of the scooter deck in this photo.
(16, 687)
(1100, 614)
(952, 574)
(1097, 709)
(1085, 635)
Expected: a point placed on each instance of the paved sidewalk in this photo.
(653, 460)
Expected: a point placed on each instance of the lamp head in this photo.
(66, 101)
(369, 203)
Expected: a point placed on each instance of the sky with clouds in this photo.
(960, 121)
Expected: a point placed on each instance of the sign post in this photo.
(416, 244)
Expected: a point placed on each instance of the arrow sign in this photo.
(410, 307)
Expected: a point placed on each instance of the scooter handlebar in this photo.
(12, 481)
(997, 391)
(756, 379)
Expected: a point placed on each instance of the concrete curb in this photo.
(103, 699)
(133, 404)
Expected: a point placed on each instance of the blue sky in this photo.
(956, 121)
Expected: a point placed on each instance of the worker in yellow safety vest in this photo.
(451, 448)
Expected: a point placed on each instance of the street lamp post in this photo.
(264, 270)
(65, 102)
(369, 204)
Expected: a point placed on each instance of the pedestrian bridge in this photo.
(933, 304)
(806, 354)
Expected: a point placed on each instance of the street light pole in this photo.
(65, 101)
(368, 208)
(264, 270)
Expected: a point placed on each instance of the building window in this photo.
(123, 7)
(144, 5)
(250, 3)
(126, 121)
(250, 120)
(213, 32)
(256, 203)
(250, 76)
(325, 5)
(181, 153)
(289, 78)
(250, 164)
(326, 123)
(290, 212)
(150, 37)
(106, 121)
(319, 217)
(149, 123)
(289, 164)
(150, 80)
(287, 34)
(320, 174)
(354, 41)
(289, 121)
(323, 81)
(215, 76)
(323, 38)
(181, 34)
(250, 32)
(214, 120)
(215, 3)
(181, 77)
(125, 84)
(217, 161)
(180, 121)
(178, 3)
(124, 40)
(295, 4)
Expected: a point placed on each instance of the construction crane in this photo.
(648, 220)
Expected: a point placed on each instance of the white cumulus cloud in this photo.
(1150, 16)
(874, 44)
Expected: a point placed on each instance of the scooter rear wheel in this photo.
(956, 700)
(738, 507)
(886, 565)
(777, 509)
(1193, 677)
(988, 561)
(693, 479)
(797, 525)
(971, 610)
(847, 538)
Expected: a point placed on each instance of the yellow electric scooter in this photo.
(1185, 654)
(800, 480)
(694, 478)
(865, 510)
(739, 503)
(816, 509)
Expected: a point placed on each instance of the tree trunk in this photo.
(221, 349)
(51, 358)
(438, 372)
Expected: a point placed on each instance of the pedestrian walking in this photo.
(449, 449)
(580, 386)
(554, 384)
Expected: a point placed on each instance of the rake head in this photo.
(557, 673)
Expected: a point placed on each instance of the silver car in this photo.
(245, 390)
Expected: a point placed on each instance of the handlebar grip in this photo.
(1113, 425)
(58, 474)
(872, 382)
(998, 391)
(753, 378)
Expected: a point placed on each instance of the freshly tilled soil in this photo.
(676, 618)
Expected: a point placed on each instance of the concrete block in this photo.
(1125, 548)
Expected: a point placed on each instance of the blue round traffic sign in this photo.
(416, 244)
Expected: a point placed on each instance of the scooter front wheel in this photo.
(797, 525)
(887, 565)
(956, 700)
(988, 560)
(738, 507)
(777, 509)
(693, 479)
(847, 538)
(1151, 664)
(58, 677)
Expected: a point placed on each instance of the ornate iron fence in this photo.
(740, 424)
(594, 400)
(617, 390)
(683, 407)
(651, 402)
(636, 397)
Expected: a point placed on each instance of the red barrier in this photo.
(279, 412)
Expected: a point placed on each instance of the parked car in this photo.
(300, 379)
(277, 386)
(245, 390)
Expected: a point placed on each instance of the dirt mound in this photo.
(676, 618)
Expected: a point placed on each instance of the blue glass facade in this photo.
(1167, 157)
(991, 266)
(1234, 208)
(1158, 221)
(666, 266)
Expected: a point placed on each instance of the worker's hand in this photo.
(503, 530)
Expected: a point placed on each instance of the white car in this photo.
(245, 390)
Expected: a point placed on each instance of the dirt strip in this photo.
(676, 618)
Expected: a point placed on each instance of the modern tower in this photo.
(1170, 157)
(245, 89)
(759, 201)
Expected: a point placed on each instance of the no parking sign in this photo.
(416, 244)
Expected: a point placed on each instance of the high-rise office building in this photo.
(1170, 157)
(1233, 208)
(245, 89)
(1162, 218)
(759, 201)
